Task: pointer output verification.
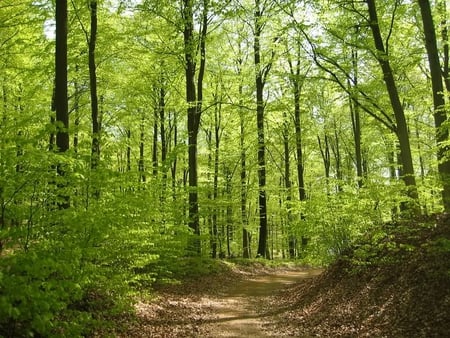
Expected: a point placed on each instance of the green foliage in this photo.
(440, 245)
(36, 289)
(64, 273)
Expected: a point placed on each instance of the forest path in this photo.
(236, 310)
(232, 304)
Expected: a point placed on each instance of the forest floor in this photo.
(396, 286)
(227, 304)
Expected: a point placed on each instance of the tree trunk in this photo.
(194, 102)
(95, 144)
(260, 82)
(337, 158)
(128, 149)
(440, 114)
(76, 110)
(288, 186)
(297, 84)
(246, 252)
(141, 163)
(402, 127)
(173, 167)
(326, 158)
(155, 142)
(215, 232)
(61, 96)
(356, 119)
(95, 149)
(246, 243)
(229, 210)
(298, 142)
(162, 132)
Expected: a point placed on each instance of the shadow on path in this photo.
(236, 311)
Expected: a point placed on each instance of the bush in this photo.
(35, 291)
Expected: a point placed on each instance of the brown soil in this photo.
(231, 308)
(238, 310)
(397, 286)
(399, 289)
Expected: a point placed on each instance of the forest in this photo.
(141, 140)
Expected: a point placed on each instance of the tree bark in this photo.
(162, 132)
(155, 142)
(297, 84)
(194, 101)
(288, 186)
(95, 148)
(402, 127)
(61, 95)
(246, 252)
(141, 164)
(128, 132)
(261, 73)
(356, 119)
(326, 158)
(440, 114)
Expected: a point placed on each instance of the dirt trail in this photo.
(236, 310)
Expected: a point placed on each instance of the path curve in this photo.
(236, 310)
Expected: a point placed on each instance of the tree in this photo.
(440, 111)
(194, 100)
(382, 57)
(261, 73)
(96, 124)
(61, 95)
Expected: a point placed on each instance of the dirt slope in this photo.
(399, 289)
(229, 305)
(395, 286)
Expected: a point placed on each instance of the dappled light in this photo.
(238, 168)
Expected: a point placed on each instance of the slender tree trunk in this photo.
(217, 118)
(193, 116)
(61, 95)
(141, 163)
(95, 116)
(442, 5)
(155, 142)
(299, 144)
(440, 114)
(95, 149)
(246, 243)
(194, 101)
(356, 119)
(261, 73)
(402, 127)
(211, 208)
(246, 252)
(337, 158)
(288, 186)
(128, 149)
(229, 210)
(297, 84)
(162, 131)
(173, 167)
(76, 110)
(326, 158)
(19, 150)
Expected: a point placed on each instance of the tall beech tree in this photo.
(61, 92)
(382, 55)
(440, 111)
(95, 116)
(261, 72)
(356, 116)
(194, 100)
